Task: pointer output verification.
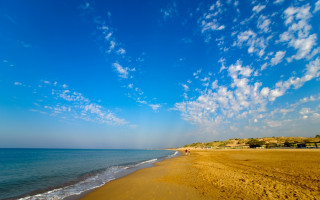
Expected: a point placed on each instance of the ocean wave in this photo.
(80, 187)
(148, 161)
(89, 183)
(176, 153)
(93, 181)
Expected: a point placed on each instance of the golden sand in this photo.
(223, 174)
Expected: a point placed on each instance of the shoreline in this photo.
(127, 162)
(137, 185)
(126, 173)
(222, 174)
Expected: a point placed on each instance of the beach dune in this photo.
(223, 174)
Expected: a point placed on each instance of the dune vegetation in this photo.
(265, 142)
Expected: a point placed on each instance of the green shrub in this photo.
(253, 143)
(271, 145)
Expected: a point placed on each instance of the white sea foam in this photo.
(91, 182)
(148, 161)
(173, 155)
(82, 186)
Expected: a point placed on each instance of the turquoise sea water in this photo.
(59, 173)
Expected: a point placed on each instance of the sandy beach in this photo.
(223, 174)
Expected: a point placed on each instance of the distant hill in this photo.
(265, 142)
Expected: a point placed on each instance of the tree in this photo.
(253, 143)
(317, 136)
(287, 143)
(271, 145)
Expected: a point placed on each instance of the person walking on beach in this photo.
(189, 152)
(186, 151)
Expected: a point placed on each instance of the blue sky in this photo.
(154, 74)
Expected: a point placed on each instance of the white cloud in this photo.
(171, 11)
(305, 111)
(278, 1)
(69, 104)
(121, 51)
(141, 101)
(17, 83)
(296, 109)
(258, 8)
(214, 84)
(211, 25)
(209, 21)
(72, 96)
(264, 23)
(312, 71)
(278, 57)
(155, 107)
(265, 91)
(304, 46)
(236, 3)
(274, 124)
(112, 45)
(249, 38)
(298, 34)
(275, 93)
(316, 115)
(185, 87)
(195, 74)
(211, 108)
(245, 36)
(205, 79)
(237, 69)
(108, 36)
(85, 6)
(316, 6)
(264, 66)
(244, 99)
(123, 72)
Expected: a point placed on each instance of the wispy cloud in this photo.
(264, 23)
(170, 11)
(255, 44)
(278, 1)
(155, 107)
(312, 71)
(298, 34)
(278, 57)
(316, 6)
(17, 83)
(244, 101)
(122, 71)
(209, 22)
(61, 101)
(185, 87)
(117, 54)
(86, 6)
(258, 8)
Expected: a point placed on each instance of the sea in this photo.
(51, 174)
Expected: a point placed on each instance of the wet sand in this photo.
(223, 174)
